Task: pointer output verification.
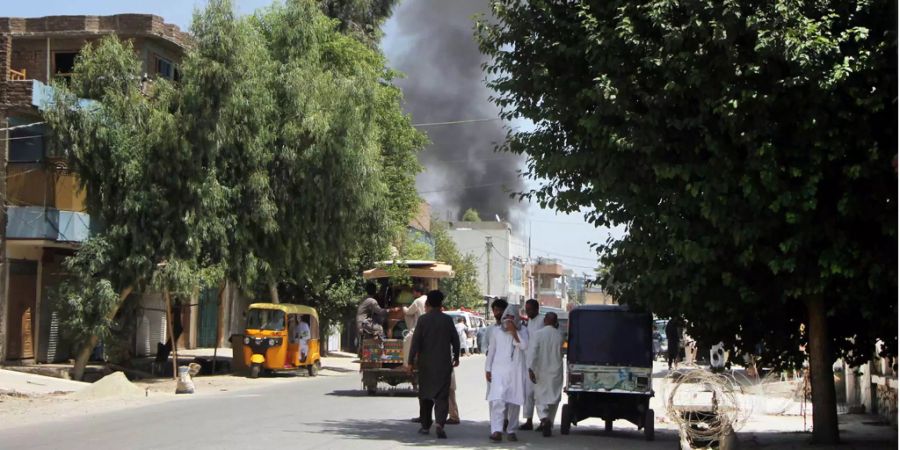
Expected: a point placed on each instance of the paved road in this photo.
(330, 411)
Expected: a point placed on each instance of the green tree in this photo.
(146, 188)
(471, 215)
(747, 148)
(462, 289)
(338, 127)
(360, 18)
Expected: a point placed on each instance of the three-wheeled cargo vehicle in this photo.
(271, 343)
(610, 367)
(384, 361)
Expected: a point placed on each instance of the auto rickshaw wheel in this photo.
(566, 423)
(313, 369)
(609, 425)
(254, 370)
(649, 426)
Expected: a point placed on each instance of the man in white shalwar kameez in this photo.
(505, 369)
(545, 368)
(535, 323)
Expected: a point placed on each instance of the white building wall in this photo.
(506, 246)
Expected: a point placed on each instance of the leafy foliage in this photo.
(471, 215)
(746, 146)
(462, 289)
(360, 18)
(282, 156)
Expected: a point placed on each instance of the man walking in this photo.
(545, 369)
(532, 309)
(505, 370)
(673, 334)
(435, 352)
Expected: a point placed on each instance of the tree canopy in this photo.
(282, 155)
(471, 215)
(747, 148)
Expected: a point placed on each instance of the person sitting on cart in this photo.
(545, 369)
(369, 315)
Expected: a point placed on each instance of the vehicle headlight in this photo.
(246, 341)
(271, 342)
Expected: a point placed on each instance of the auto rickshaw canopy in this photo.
(415, 269)
(287, 308)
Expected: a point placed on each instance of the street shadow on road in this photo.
(340, 369)
(474, 434)
(381, 393)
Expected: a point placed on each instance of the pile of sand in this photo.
(114, 385)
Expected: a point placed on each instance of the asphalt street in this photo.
(330, 411)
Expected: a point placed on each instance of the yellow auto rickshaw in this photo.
(274, 338)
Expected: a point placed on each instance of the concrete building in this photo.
(594, 295)
(45, 218)
(499, 251)
(551, 283)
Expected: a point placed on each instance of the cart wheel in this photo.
(649, 421)
(566, 423)
(609, 425)
(313, 369)
(254, 370)
(370, 383)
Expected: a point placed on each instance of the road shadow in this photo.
(381, 393)
(340, 369)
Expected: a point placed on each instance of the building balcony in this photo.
(47, 224)
(549, 267)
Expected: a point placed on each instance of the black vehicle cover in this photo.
(610, 335)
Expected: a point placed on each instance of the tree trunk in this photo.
(220, 311)
(821, 374)
(84, 353)
(273, 292)
(172, 337)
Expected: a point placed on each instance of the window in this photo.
(265, 319)
(166, 69)
(26, 144)
(64, 63)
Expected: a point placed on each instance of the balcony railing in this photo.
(17, 75)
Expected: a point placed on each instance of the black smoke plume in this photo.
(432, 41)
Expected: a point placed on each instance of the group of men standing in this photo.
(523, 367)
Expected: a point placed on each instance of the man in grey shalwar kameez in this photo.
(434, 352)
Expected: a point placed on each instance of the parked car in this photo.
(473, 322)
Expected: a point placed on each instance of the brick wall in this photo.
(120, 24)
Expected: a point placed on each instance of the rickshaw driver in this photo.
(303, 334)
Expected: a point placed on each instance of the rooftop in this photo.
(145, 25)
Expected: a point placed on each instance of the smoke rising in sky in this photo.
(432, 42)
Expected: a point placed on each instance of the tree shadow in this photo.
(381, 393)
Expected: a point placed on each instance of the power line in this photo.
(454, 122)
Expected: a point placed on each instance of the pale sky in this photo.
(565, 237)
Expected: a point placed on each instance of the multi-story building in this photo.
(497, 251)
(551, 283)
(45, 218)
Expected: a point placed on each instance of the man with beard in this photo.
(435, 352)
(545, 369)
(532, 309)
(505, 369)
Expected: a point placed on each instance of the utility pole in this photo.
(488, 246)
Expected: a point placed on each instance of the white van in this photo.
(473, 322)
